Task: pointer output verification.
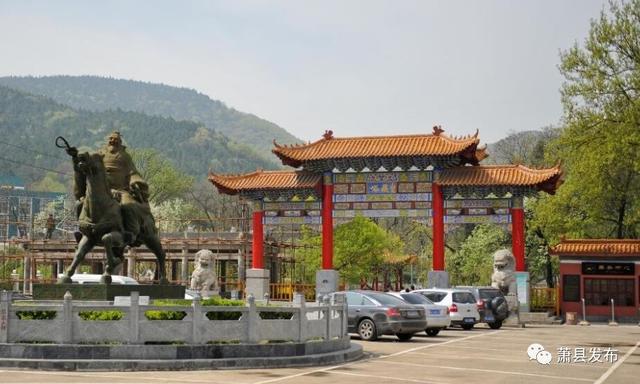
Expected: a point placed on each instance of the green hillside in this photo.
(29, 125)
(101, 94)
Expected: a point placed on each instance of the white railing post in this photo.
(584, 314)
(613, 315)
(252, 320)
(134, 318)
(339, 299)
(67, 314)
(5, 306)
(196, 315)
(326, 302)
(298, 301)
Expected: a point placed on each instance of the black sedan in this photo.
(371, 314)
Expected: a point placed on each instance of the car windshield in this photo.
(435, 297)
(385, 299)
(414, 298)
(463, 298)
(489, 293)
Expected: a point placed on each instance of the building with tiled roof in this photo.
(599, 271)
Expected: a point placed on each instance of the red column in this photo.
(327, 223)
(258, 240)
(517, 237)
(437, 205)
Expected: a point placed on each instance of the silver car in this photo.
(371, 314)
(437, 315)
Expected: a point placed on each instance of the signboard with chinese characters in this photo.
(477, 211)
(292, 213)
(382, 194)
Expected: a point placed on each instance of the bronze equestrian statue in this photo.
(112, 207)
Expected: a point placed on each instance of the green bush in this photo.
(36, 315)
(224, 315)
(276, 315)
(165, 315)
(101, 315)
(215, 301)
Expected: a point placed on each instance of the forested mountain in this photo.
(29, 125)
(101, 94)
(526, 147)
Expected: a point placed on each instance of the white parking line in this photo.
(371, 360)
(487, 371)
(616, 365)
(378, 377)
(439, 344)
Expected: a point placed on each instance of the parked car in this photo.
(462, 305)
(437, 315)
(492, 305)
(372, 314)
(91, 278)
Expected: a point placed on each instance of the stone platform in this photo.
(105, 292)
(176, 357)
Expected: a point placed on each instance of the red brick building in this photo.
(599, 270)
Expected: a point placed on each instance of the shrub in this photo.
(36, 315)
(101, 315)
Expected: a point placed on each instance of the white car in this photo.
(463, 309)
(91, 278)
(437, 315)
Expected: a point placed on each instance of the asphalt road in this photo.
(454, 356)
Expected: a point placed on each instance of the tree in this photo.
(473, 263)
(360, 247)
(600, 143)
(165, 181)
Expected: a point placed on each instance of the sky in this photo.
(359, 68)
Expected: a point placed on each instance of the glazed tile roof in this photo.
(329, 147)
(265, 180)
(511, 175)
(597, 247)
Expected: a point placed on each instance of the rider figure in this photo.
(126, 184)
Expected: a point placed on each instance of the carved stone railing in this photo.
(308, 322)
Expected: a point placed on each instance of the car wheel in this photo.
(404, 336)
(367, 330)
(495, 325)
(432, 332)
(467, 327)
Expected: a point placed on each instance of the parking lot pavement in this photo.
(454, 356)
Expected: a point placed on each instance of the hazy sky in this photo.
(356, 67)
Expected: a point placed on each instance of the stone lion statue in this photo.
(204, 277)
(504, 267)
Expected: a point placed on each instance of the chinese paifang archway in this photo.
(430, 177)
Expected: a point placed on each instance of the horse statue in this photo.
(101, 219)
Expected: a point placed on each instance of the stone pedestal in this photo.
(326, 282)
(513, 320)
(438, 279)
(257, 282)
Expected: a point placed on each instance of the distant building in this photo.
(19, 207)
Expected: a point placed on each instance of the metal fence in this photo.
(545, 300)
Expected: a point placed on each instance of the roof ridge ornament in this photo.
(328, 134)
(437, 130)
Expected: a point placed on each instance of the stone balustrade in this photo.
(322, 321)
